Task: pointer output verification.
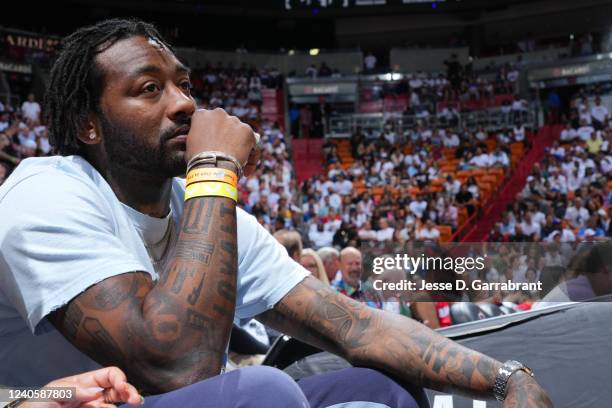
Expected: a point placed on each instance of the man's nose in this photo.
(180, 104)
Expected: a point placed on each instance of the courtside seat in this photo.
(490, 309)
(463, 312)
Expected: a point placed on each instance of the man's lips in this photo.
(179, 138)
(180, 135)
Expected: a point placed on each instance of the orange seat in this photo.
(478, 172)
(449, 152)
(491, 144)
(488, 178)
(437, 182)
(413, 191)
(446, 232)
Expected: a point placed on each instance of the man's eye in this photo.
(187, 86)
(151, 88)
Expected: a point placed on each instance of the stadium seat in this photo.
(490, 309)
(463, 312)
(446, 232)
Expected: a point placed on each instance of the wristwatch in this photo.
(503, 375)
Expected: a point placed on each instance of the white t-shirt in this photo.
(64, 230)
(577, 217)
(481, 160)
(31, 110)
(599, 113)
(426, 234)
(584, 132)
(568, 134)
(385, 234)
(418, 207)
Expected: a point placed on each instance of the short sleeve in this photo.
(57, 238)
(266, 273)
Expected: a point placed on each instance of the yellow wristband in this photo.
(211, 189)
(212, 174)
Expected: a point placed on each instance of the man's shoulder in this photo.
(54, 180)
(55, 169)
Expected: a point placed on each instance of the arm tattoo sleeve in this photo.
(174, 332)
(316, 314)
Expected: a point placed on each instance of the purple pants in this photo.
(266, 387)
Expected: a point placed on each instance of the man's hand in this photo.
(254, 157)
(216, 130)
(525, 392)
(94, 389)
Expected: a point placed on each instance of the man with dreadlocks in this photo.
(106, 257)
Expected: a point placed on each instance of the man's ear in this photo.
(90, 135)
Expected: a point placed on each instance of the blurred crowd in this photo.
(21, 135)
(567, 196)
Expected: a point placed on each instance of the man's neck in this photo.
(146, 193)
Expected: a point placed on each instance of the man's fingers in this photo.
(254, 157)
(108, 377)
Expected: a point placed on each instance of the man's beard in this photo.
(126, 149)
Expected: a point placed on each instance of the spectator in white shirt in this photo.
(480, 159)
(385, 232)
(31, 109)
(366, 232)
(557, 150)
(451, 186)
(599, 114)
(428, 232)
(499, 158)
(577, 215)
(343, 185)
(557, 181)
(569, 133)
(531, 227)
(320, 236)
(585, 130)
(450, 140)
(519, 133)
(585, 114)
(418, 206)
(335, 201)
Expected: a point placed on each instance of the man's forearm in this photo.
(382, 340)
(198, 289)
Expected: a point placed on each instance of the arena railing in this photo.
(492, 119)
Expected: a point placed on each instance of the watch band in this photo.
(500, 387)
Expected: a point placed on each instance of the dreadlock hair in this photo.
(76, 81)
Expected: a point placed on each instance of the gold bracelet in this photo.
(211, 189)
(212, 174)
